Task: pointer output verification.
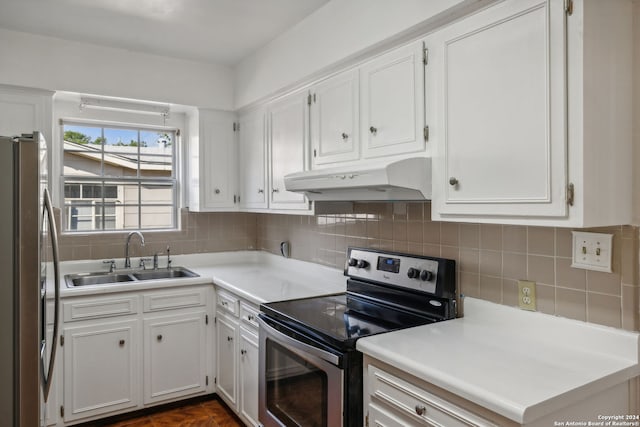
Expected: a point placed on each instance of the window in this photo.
(118, 177)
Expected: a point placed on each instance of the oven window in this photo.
(296, 390)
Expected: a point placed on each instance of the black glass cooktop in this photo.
(339, 320)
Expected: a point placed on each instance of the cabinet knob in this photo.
(345, 136)
(224, 303)
(229, 338)
(121, 343)
(217, 191)
(159, 337)
(453, 181)
(275, 190)
(373, 130)
(243, 352)
(260, 191)
(420, 410)
(250, 317)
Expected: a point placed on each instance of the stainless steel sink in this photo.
(171, 273)
(102, 278)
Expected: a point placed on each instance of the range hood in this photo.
(407, 179)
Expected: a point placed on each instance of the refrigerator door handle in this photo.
(56, 274)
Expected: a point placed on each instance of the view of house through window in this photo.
(118, 177)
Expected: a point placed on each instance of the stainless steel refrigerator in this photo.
(30, 278)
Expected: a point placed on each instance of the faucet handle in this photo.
(112, 264)
(143, 261)
(168, 257)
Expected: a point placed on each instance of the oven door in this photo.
(299, 384)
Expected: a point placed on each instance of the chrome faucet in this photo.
(127, 260)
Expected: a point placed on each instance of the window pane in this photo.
(109, 154)
(157, 217)
(156, 194)
(120, 138)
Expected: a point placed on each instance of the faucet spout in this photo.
(127, 260)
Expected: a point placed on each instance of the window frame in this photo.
(103, 180)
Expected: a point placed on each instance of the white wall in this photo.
(56, 64)
(336, 33)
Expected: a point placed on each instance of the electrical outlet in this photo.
(592, 251)
(527, 295)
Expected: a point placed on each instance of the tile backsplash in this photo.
(490, 258)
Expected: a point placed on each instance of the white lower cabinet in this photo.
(237, 356)
(248, 376)
(101, 368)
(122, 352)
(174, 356)
(226, 347)
(393, 398)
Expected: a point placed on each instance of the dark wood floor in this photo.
(209, 413)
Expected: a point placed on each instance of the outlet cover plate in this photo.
(592, 251)
(527, 295)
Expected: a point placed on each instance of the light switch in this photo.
(592, 251)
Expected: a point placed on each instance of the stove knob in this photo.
(413, 273)
(362, 264)
(353, 262)
(426, 275)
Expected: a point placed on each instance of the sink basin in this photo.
(96, 279)
(102, 278)
(164, 273)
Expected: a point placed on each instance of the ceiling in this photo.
(214, 31)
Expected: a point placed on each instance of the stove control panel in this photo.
(413, 272)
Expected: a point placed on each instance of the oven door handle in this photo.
(322, 354)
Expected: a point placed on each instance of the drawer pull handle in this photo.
(243, 352)
(224, 303)
(373, 130)
(229, 338)
(420, 410)
(250, 318)
(121, 343)
(159, 337)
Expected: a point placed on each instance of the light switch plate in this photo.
(592, 251)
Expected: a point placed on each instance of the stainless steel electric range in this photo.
(310, 370)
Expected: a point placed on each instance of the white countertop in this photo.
(254, 275)
(519, 364)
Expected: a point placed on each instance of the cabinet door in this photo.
(24, 110)
(288, 124)
(51, 407)
(334, 119)
(252, 160)
(500, 111)
(248, 377)
(393, 103)
(226, 360)
(218, 164)
(174, 356)
(101, 369)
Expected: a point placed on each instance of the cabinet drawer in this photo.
(418, 405)
(228, 303)
(95, 308)
(249, 315)
(159, 301)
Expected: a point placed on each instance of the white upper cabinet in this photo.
(288, 139)
(253, 160)
(216, 163)
(392, 103)
(502, 110)
(24, 110)
(335, 119)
